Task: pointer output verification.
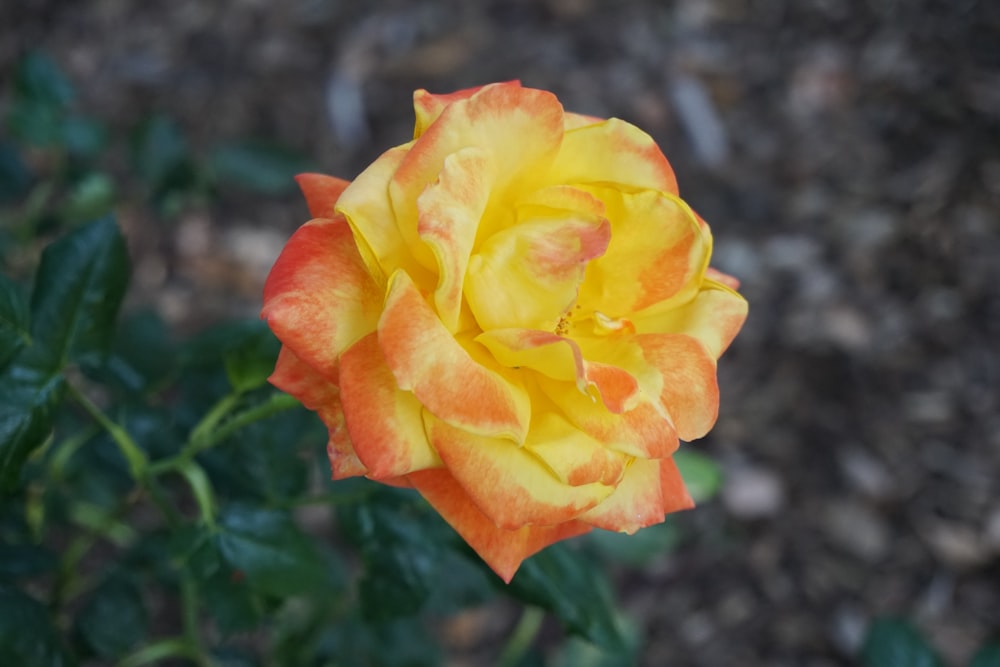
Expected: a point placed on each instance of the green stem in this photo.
(276, 404)
(165, 648)
(137, 461)
(522, 637)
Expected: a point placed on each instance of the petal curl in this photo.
(385, 423)
(642, 431)
(319, 297)
(365, 204)
(450, 210)
(548, 353)
(428, 106)
(508, 483)
(613, 152)
(317, 393)
(520, 129)
(713, 317)
(321, 193)
(527, 276)
(503, 550)
(657, 255)
(574, 457)
(426, 359)
(648, 490)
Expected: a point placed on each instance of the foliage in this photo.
(160, 501)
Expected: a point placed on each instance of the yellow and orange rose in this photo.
(513, 314)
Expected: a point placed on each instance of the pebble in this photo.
(753, 493)
(856, 528)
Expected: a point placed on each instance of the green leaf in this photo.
(701, 474)
(411, 562)
(90, 198)
(27, 635)
(26, 412)
(987, 656)
(38, 78)
(14, 320)
(268, 548)
(15, 177)
(83, 137)
(639, 549)
(258, 166)
(35, 123)
(159, 151)
(113, 620)
(893, 641)
(25, 560)
(79, 286)
(250, 359)
(575, 590)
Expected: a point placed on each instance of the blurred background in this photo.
(845, 152)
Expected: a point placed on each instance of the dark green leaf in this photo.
(231, 603)
(142, 354)
(113, 620)
(14, 321)
(258, 166)
(701, 474)
(90, 198)
(158, 151)
(38, 78)
(639, 549)
(987, 656)
(15, 177)
(83, 137)
(566, 583)
(78, 287)
(250, 359)
(25, 560)
(35, 123)
(268, 549)
(26, 411)
(895, 642)
(27, 635)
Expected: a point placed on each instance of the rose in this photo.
(513, 314)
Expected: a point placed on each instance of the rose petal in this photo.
(385, 423)
(508, 483)
(319, 297)
(612, 152)
(450, 210)
(321, 193)
(527, 276)
(656, 256)
(426, 359)
(518, 128)
(428, 106)
(714, 317)
(503, 550)
(317, 393)
(647, 491)
(573, 456)
(642, 431)
(367, 208)
(674, 368)
(542, 351)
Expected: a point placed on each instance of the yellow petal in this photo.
(319, 298)
(426, 359)
(612, 152)
(657, 254)
(508, 483)
(503, 550)
(574, 457)
(527, 276)
(520, 129)
(385, 423)
(643, 431)
(450, 210)
(365, 204)
(713, 317)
